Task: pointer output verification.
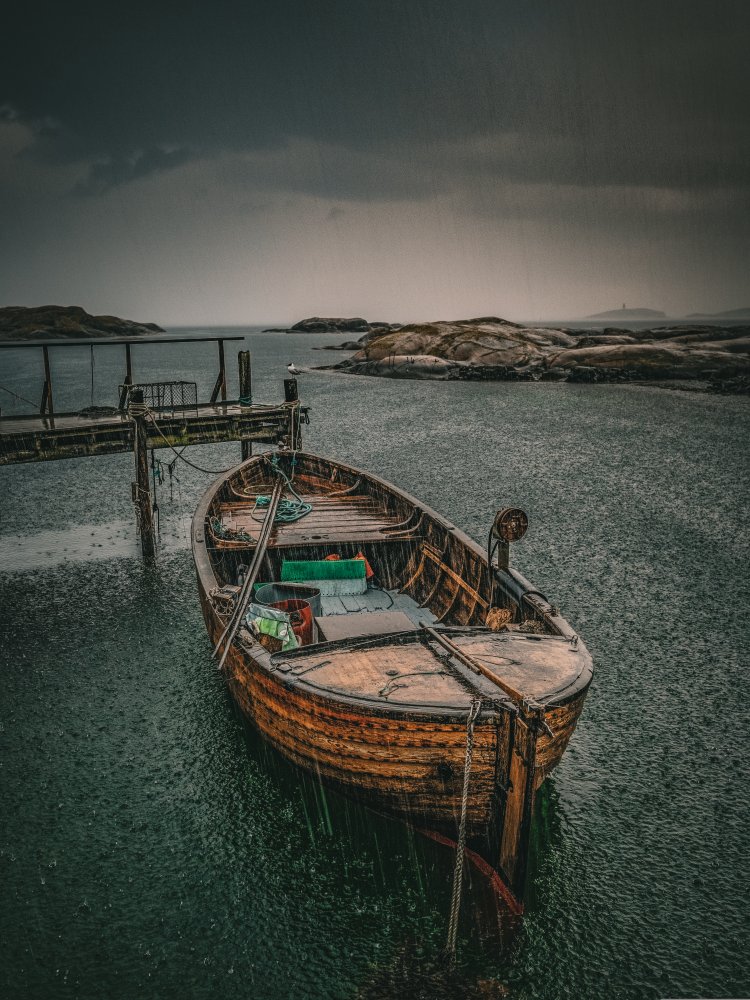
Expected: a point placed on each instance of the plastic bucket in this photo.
(271, 593)
(301, 617)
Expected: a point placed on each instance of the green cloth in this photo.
(272, 621)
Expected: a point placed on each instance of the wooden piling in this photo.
(291, 395)
(141, 486)
(246, 395)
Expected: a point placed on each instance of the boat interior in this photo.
(351, 564)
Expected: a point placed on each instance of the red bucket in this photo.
(301, 615)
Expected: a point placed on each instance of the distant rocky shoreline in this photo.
(66, 323)
(701, 357)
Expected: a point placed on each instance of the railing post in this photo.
(47, 406)
(222, 374)
(246, 395)
(128, 378)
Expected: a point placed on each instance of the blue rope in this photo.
(288, 510)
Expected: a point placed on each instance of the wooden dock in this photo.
(72, 435)
(150, 415)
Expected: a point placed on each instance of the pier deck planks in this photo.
(70, 435)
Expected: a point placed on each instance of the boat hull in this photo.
(407, 760)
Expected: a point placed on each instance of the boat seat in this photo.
(332, 627)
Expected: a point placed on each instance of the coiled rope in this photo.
(458, 873)
(287, 511)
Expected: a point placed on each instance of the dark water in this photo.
(149, 846)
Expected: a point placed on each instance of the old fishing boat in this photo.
(375, 644)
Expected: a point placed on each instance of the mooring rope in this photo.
(198, 468)
(458, 873)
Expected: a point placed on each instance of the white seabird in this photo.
(292, 369)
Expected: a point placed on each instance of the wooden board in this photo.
(332, 627)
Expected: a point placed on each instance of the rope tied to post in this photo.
(458, 872)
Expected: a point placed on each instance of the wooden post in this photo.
(246, 395)
(291, 395)
(47, 406)
(141, 490)
(128, 378)
(221, 378)
(222, 374)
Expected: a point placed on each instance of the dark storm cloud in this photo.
(388, 99)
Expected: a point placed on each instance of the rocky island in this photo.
(333, 324)
(716, 358)
(629, 314)
(66, 322)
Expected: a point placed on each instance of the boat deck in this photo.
(411, 669)
(332, 519)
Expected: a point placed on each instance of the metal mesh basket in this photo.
(164, 397)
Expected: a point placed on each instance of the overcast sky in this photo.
(243, 162)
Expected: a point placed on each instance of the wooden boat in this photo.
(377, 697)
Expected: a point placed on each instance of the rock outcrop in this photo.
(66, 322)
(487, 340)
(490, 348)
(691, 354)
(333, 324)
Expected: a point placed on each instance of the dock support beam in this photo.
(141, 488)
(246, 395)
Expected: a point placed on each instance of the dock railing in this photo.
(169, 414)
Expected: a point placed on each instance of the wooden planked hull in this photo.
(386, 761)
(407, 759)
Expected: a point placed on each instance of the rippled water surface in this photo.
(151, 846)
